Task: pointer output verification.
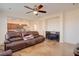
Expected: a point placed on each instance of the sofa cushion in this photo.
(15, 43)
(35, 33)
(25, 33)
(12, 34)
(30, 42)
(7, 42)
(28, 37)
(39, 39)
(15, 39)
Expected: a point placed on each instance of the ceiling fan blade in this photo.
(28, 7)
(42, 11)
(40, 6)
(29, 12)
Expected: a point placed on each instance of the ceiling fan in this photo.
(36, 9)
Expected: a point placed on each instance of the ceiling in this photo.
(18, 9)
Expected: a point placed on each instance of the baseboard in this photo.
(69, 43)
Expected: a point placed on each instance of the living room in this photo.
(61, 18)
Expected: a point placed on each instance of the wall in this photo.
(3, 28)
(53, 24)
(71, 26)
(17, 21)
(36, 25)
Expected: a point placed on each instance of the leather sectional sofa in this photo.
(6, 53)
(15, 40)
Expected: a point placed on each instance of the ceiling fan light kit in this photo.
(35, 12)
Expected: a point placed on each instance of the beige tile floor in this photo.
(47, 48)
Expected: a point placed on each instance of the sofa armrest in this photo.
(41, 36)
(5, 44)
(6, 41)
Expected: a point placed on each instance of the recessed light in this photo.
(10, 8)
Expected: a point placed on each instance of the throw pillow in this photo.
(28, 37)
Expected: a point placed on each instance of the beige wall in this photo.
(36, 25)
(53, 24)
(71, 26)
(3, 28)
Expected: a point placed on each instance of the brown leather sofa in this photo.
(76, 50)
(6, 53)
(15, 41)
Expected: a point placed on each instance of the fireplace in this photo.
(53, 35)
